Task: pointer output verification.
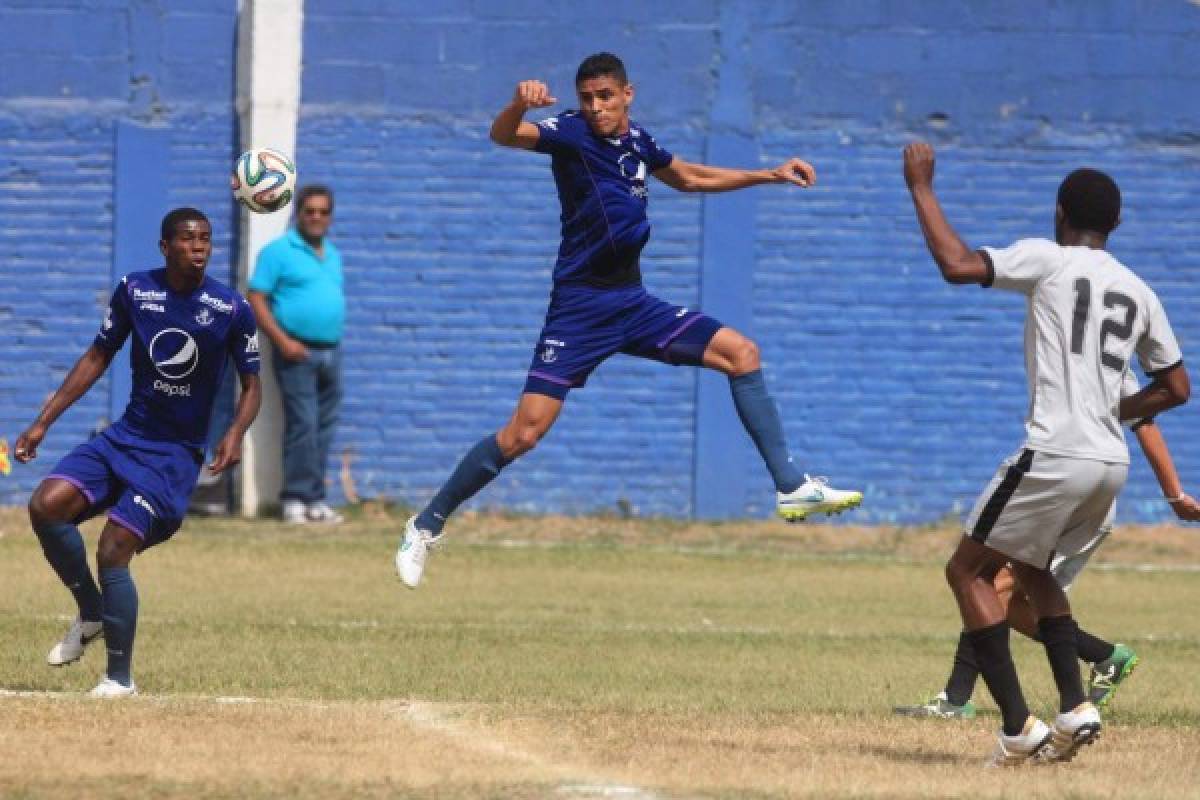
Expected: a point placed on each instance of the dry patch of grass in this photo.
(200, 747)
(855, 756)
(195, 746)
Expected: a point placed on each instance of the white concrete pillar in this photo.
(270, 33)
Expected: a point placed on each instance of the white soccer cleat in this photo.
(110, 688)
(410, 558)
(294, 512)
(78, 637)
(1013, 751)
(322, 513)
(1072, 730)
(814, 496)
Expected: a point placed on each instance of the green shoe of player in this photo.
(939, 707)
(1108, 675)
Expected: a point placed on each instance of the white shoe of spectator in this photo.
(321, 512)
(295, 512)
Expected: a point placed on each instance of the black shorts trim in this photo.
(991, 268)
(1000, 497)
(1160, 372)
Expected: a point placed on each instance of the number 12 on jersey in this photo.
(1110, 327)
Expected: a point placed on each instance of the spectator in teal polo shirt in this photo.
(296, 294)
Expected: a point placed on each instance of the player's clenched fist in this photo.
(918, 164)
(795, 171)
(533, 94)
(27, 443)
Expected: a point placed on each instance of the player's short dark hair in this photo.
(598, 65)
(1090, 201)
(313, 190)
(170, 223)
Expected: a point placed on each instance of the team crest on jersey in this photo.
(204, 317)
(550, 351)
(633, 169)
(251, 342)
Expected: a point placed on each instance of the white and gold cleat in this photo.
(814, 496)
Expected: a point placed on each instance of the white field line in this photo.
(424, 717)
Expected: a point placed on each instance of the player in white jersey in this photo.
(1087, 315)
(1111, 663)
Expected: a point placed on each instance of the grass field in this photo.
(569, 658)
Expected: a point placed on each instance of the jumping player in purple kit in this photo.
(600, 160)
(141, 470)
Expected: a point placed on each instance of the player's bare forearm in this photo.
(248, 404)
(1168, 390)
(87, 370)
(1155, 448)
(504, 126)
(90, 366)
(228, 452)
(685, 176)
(957, 262)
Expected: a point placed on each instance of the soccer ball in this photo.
(263, 180)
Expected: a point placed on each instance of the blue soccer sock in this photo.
(478, 467)
(64, 549)
(760, 418)
(120, 621)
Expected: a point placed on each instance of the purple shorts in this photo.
(585, 325)
(144, 484)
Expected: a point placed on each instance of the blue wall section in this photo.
(887, 378)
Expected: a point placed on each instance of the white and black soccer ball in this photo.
(264, 180)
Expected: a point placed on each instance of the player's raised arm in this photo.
(957, 262)
(684, 176)
(87, 370)
(509, 128)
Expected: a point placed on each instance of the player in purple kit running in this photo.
(600, 160)
(141, 470)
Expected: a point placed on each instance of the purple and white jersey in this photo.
(181, 343)
(602, 188)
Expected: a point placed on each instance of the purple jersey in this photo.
(181, 343)
(602, 187)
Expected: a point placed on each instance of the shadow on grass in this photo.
(910, 755)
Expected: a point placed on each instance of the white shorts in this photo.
(1070, 557)
(1039, 506)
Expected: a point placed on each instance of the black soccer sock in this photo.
(120, 621)
(1000, 674)
(1092, 649)
(760, 418)
(64, 549)
(964, 673)
(478, 467)
(1060, 637)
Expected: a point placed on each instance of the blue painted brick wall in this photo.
(888, 379)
